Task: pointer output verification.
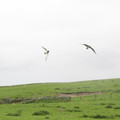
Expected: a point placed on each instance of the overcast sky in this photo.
(61, 26)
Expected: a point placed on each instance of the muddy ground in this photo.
(79, 94)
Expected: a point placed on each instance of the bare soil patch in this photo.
(79, 94)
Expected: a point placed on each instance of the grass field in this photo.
(104, 106)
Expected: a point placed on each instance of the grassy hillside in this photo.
(91, 107)
(50, 89)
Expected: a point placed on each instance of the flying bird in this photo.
(88, 46)
(46, 52)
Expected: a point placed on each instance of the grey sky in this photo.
(60, 26)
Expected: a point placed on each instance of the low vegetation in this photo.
(42, 112)
(18, 113)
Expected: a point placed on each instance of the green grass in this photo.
(105, 106)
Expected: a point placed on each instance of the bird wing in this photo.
(92, 49)
(84, 44)
(87, 46)
(44, 48)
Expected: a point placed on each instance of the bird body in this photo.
(46, 52)
(88, 46)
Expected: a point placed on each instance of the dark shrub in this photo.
(77, 107)
(57, 88)
(117, 108)
(99, 116)
(117, 115)
(42, 112)
(46, 117)
(102, 103)
(111, 104)
(85, 116)
(73, 110)
(108, 106)
(14, 114)
(58, 106)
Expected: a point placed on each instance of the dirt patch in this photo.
(79, 94)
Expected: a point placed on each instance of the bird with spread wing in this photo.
(46, 52)
(88, 46)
